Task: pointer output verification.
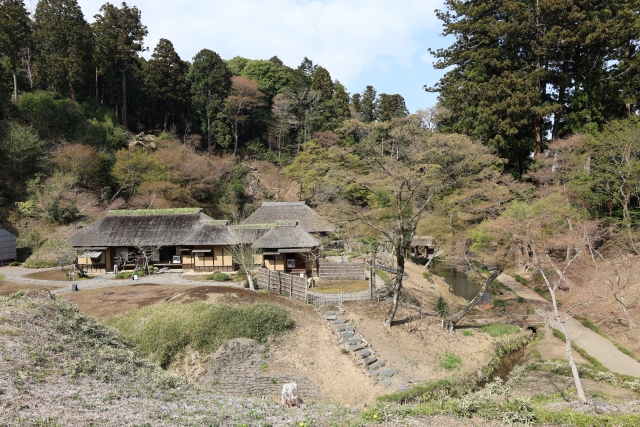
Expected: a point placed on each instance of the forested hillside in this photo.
(539, 100)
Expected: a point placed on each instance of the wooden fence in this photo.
(281, 283)
(318, 299)
(342, 271)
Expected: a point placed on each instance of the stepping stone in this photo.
(387, 373)
(355, 347)
(329, 313)
(387, 383)
(339, 313)
(347, 335)
(353, 341)
(348, 328)
(374, 373)
(403, 387)
(365, 353)
(338, 322)
(340, 328)
(376, 365)
(369, 360)
(330, 317)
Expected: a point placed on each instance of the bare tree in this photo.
(244, 253)
(146, 252)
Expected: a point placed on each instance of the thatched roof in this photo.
(158, 228)
(287, 236)
(272, 212)
(422, 241)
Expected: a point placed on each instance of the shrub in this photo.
(450, 361)
(218, 276)
(497, 302)
(467, 333)
(427, 275)
(164, 331)
(39, 264)
(14, 264)
(499, 329)
(442, 307)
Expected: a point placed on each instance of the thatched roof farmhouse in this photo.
(307, 218)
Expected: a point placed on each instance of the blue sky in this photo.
(361, 42)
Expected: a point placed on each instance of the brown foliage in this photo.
(80, 160)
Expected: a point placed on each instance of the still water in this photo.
(457, 280)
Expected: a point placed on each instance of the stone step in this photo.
(356, 347)
(353, 341)
(370, 360)
(387, 373)
(347, 335)
(365, 353)
(338, 322)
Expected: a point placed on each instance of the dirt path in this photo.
(594, 344)
(16, 279)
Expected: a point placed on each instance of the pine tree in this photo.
(64, 44)
(322, 83)
(210, 81)
(166, 80)
(15, 34)
(119, 38)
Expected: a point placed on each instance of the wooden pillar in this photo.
(291, 286)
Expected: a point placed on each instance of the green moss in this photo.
(141, 212)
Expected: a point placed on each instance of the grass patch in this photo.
(428, 275)
(450, 361)
(520, 279)
(383, 275)
(467, 333)
(497, 303)
(1, 277)
(218, 276)
(163, 331)
(544, 294)
(595, 362)
(500, 329)
(129, 274)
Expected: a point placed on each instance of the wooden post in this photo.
(291, 286)
(279, 283)
(372, 276)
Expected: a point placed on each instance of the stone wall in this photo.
(241, 368)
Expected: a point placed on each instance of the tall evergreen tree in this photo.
(167, 80)
(64, 44)
(322, 83)
(365, 104)
(15, 34)
(390, 106)
(119, 36)
(518, 65)
(210, 81)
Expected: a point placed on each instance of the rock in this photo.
(330, 317)
(353, 341)
(338, 322)
(340, 328)
(347, 335)
(387, 373)
(365, 353)
(370, 360)
(348, 329)
(290, 395)
(386, 383)
(403, 387)
(356, 347)
(329, 313)
(374, 373)
(339, 313)
(376, 365)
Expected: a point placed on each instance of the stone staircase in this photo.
(363, 354)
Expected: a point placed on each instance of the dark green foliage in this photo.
(210, 81)
(322, 83)
(217, 277)
(390, 106)
(442, 307)
(15, 34)
(169, 328)
(64, 212)
(63, 41)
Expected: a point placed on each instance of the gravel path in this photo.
(594, 344)
(17, 275)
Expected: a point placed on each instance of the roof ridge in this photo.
(144, 212)
(300, 203)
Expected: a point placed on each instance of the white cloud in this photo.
(347, 37)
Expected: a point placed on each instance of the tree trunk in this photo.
(208, 133)
(538, 137)
(450, 322)
(125, 122)
(72, 91)
(166, 119)
(574, 369)
(235, 137)
(250, 279)
(15, 86)
(397, 287)
(97, 90)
